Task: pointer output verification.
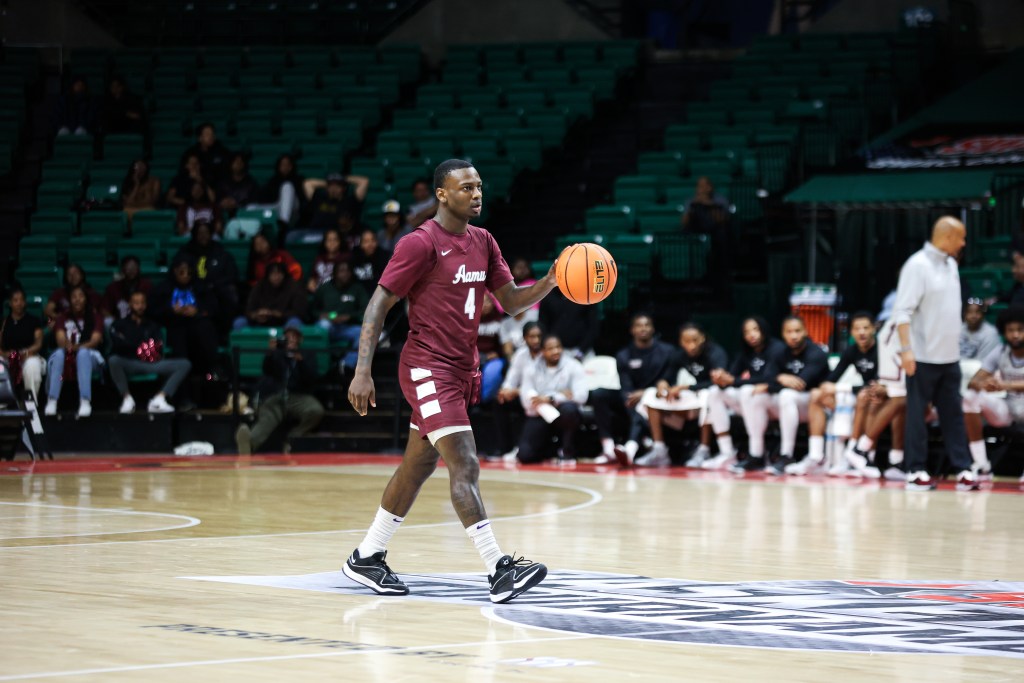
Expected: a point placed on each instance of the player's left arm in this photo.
(515, 299)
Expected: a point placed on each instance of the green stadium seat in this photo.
(661, 163)
(576, 102)
(147, 250)
(107, 224)
(73, 147)
(88, 250)
(158, 223)
(58, 195)
(684, 257)
(525, 147)
(37, 250)
(53, 222)
(123, 146)
(609, 219)
(639, 189)
(635, 251)
(476, 146)
(550, 125)
(659, 219)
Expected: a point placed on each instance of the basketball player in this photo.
(802, 366)
(862, 355)
(996, 392)
(444, 267)
(888, 397)
(671, 406)
(748, 375)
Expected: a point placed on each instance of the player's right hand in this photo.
(361, 393)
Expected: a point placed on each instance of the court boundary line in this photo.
(595, 498)
(193, 521)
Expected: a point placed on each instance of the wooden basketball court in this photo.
(220, 569)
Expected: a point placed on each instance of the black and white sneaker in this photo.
(750, 464)
(778, 468)
(513, 577)
(374, 573)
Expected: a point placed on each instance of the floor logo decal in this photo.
(947, 617)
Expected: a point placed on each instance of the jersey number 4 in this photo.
(471, 303)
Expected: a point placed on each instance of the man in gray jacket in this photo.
(927, 317)
(552, 392)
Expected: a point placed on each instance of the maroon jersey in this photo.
(444, 276)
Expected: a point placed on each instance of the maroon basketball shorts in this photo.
(440, 399)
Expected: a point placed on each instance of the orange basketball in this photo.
(586, 273)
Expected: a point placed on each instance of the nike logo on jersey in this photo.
(445, 253)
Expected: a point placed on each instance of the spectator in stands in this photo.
(118, 294)
(1015, 297)
(123, 110)
(707, 211)
(338, 307)
(275, 300)
(640, 364)
(76, 111)
(369, 260)
(510, 410)
(394, 227)
(351, 229)
(60, 300)
(1001, 372)
(214, 267)
(199, 207)
(333, 197)
(290, 377)
(21, 340)
(512, 340)
(888, 397)
(801, 366)
(189, 310)
(213, 155)
(671, 404)
(577, 326)
(862, 355)
(137, 349)
(927, 314)
(332, 252)
(78, 333)
(262, 254)
(284, 193)
(190, 173)
(978, 337)
(488, 345)
(424, 204)
(748, 377)
(553, 390)
(237, 188)
(140, 191)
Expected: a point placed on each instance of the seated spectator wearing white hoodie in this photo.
(552, 392)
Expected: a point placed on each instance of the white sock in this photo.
(632, 448)
(978, 454)
(380, 532)
(816, 448)
(483, 538)
(725, 446)
(865, 444)
(895, 457)
(608, 447)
